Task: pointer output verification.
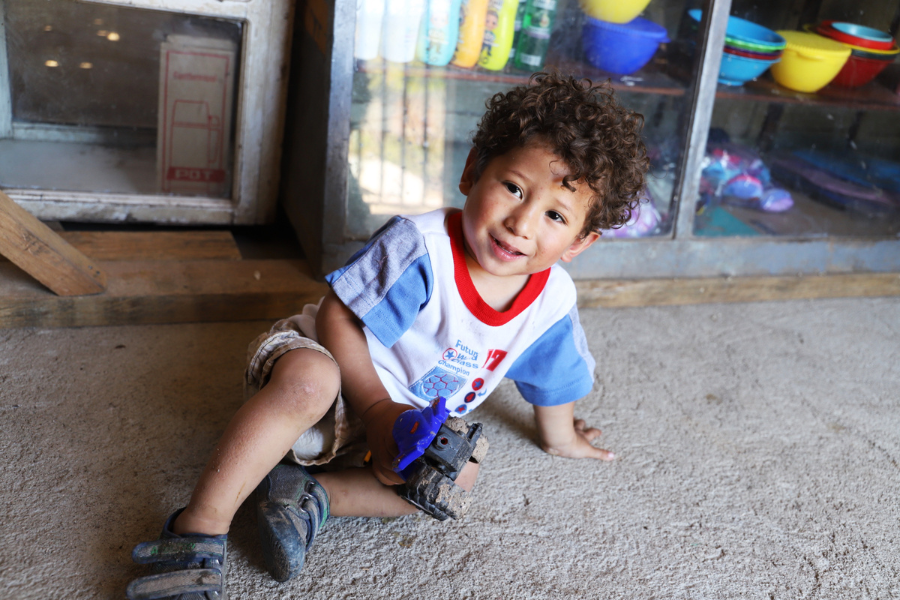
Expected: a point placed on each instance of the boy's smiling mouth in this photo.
(505, 251)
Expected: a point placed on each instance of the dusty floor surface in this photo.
(758, 458)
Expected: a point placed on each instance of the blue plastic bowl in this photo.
(866, 33)
(621, 48)
(737, 70)
(746, 31)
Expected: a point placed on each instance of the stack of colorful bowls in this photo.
(749, 50)
(871, 51)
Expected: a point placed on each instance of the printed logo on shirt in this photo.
(461, 356)
(494, 357)
(437, 382)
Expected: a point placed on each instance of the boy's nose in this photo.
(522, 222)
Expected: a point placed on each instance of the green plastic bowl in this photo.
(752, 46)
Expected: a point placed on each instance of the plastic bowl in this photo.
(889, 58)
(888, 54)
(742, 32)
(756, 55)
(613, 11)
(868, 34)
(621, 48)
(873, 52)
(751, 47)
(809, 61)
(737, 70)
(830, 32)
(858, 71)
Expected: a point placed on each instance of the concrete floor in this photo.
(758, 454)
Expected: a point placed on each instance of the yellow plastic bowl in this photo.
(614, 11)
(809, 61)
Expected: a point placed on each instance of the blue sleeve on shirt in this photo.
(557, 368)
(388, 282)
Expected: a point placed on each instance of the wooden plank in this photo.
(154, 292)
(44, 255)
(154, 245)
(656, 292)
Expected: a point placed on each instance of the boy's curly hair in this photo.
(597, 138)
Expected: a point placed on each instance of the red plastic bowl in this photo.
(825, 28)
(756, 55)
(858, 71)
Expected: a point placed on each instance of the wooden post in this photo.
(43, 254)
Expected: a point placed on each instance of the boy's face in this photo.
(519, 219)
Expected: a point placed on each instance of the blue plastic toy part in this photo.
(414, 431)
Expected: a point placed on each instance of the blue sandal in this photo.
(188, 567)
(291, 509)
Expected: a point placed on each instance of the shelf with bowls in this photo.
(873, 95)
(826, 64)
(658, 76)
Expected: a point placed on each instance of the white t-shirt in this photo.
(430, 333)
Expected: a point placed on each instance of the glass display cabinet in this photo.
(165, 111)
(748, 176)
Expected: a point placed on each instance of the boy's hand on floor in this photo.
(379, 420)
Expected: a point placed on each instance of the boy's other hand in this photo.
(379, 420)
(561, 434)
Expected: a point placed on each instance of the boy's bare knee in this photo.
(307, 378)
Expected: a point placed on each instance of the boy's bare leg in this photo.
(356, 493)
(303, 386)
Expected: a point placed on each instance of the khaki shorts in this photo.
(338, 439)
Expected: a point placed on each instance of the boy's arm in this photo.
(563, 435)
(341, 332)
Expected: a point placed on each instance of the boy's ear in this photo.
(467, 180)
(579, 246)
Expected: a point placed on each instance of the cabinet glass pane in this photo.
(808, 148)
(423, 74)
(102, 98)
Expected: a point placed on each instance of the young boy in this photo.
(455, 298)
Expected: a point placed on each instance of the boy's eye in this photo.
(513, 189)
(555, 216)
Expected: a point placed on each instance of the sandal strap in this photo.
(175, 583)
(190, 549)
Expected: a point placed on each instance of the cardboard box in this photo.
(196, 105)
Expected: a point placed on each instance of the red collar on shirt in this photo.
(470, 296)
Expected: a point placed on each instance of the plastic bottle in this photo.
(471, 33)
(534, 40)
(499, 29)
(401, 29)
(520, 14)
(369, 16)
(439, 32)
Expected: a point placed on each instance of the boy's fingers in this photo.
(386, 477)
